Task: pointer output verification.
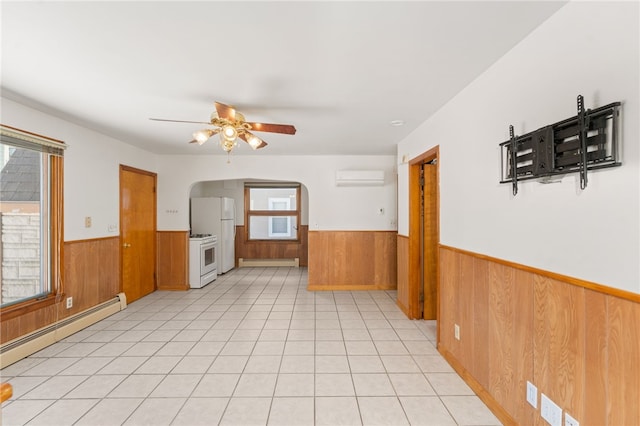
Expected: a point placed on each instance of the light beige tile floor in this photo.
(252, 348)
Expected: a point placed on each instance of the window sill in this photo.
(29, 306)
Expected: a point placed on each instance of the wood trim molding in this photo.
(349, 287)
(28, 306)
(89, 240)
(139, 171)
(413, 304)
(493, 405)
(611, 291)
(33, 134)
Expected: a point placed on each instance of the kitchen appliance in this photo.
(203, 253)
(216, 215)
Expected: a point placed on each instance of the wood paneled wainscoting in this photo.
(91, 276)
(272, 249)
(578, 342)
(403, 274)
(352, 260)
(173, 260)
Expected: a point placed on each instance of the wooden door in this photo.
(429, 240)
(137, 232)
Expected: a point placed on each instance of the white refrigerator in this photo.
(216, 215)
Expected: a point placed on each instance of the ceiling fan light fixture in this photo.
(227, 145)
(254, 142)
(201, 136)
(229, 133)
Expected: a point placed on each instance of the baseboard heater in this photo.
(254, 263)
(23, 346)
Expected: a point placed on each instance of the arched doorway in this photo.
(264, 250)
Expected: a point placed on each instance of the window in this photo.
(272, 211)
(30, 218)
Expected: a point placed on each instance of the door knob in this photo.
(126, 245)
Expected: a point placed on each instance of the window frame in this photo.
(248, 212)
(55, 219)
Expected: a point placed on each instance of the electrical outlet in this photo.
(87, 222)
(550, 411)
(69, 302)
(532, 394)
(570, 421)
(456, 331)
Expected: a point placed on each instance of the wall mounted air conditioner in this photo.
(359, 177)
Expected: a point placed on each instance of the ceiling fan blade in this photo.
(180, 121)
(273, 128)
(253, 141)
(225, 111)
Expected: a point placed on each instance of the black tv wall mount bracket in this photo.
(587, 141)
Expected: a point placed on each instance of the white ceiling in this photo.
(338, 71)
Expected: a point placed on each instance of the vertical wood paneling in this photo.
(465, 309)
(273, 249)
(108, 262)
(578, 345)
(384, 247)
(595, 378)
(480, 332)
(403, 273)
(173, 260)
(501, 343)
(303, 250)
(449, 270)
(352, 260)
(523, 344)
(91, 272)
(623, 364)
(559, 343)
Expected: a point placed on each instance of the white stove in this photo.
(203, 252)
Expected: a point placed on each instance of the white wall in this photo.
(91, 169)
(585, 48)
(330, 207)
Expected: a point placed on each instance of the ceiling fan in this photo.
(230, 124)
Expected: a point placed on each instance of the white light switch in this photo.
(550, 411)
(532, 394)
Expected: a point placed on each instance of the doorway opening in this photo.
(424, 235)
